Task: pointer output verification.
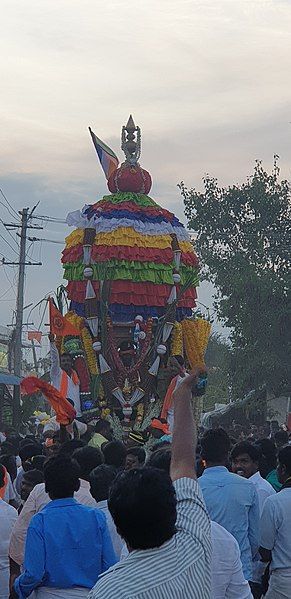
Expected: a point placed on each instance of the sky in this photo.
(207, 81)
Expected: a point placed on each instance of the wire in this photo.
(5, 293)
(50, 219)
(9, 244)
(9, 205)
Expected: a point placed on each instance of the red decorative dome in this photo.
(130, 178)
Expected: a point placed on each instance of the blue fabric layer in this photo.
(121, 313)
(138, 215)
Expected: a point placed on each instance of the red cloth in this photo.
(65, 412)
(127, 292)
(132, 207)
(102, 253)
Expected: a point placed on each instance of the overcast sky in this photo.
(208, 82)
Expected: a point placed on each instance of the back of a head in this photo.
(28, 451)
(101, 479)
(61, 476)
(37, 462)
(2, 476)
(7, 448)
(102, 426)
(142, 503)
(137, 452)
(281, 438)
(88, 458)
(215, 446)
(268, 460)
(34, 476)
(160, 459)
(9, 461)
(284, 459)
(114, 454)
(70, 446)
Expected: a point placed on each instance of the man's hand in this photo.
(184, 442)
(51, 337)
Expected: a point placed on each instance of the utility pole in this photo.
(25, 216)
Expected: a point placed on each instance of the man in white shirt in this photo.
(245, 459)
(63, 377)
(275, 531)
(169, 549)
(228, 581)
(8, 517)
(75, 428)
(101, 479)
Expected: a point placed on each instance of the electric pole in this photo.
(25, 216)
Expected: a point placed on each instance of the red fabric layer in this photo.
(132, 207)
(102, 253)
(127, 292)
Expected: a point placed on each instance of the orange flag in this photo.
(58, 323)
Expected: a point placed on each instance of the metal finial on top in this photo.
(131, 141)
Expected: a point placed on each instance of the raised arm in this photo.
(54, 356)
(183, 461)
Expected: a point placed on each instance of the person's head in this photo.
(26, 452)
(29, 480)
(37, 462)
(268, 460)
(66, 362)
(103, 427)
(160, 459)
(215, 446)
(2, 476)
(142, 503)
(101, 479)
(281, 438)
(136, 438)
(114, 454)
(61, 477)
(70, 446)
(245, 459)
(9, 462)
(284, 463)
(135, 458)
(161, 445)
(88, 458)
(7, 448)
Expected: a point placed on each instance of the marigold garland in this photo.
(193, 348)
(79, 323)
(177, 340)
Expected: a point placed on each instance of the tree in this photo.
(243, 238)
(218, 364)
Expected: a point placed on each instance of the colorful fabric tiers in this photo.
(137, 246)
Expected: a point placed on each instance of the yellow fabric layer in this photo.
(127, 236)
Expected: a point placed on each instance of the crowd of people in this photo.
(85, 515)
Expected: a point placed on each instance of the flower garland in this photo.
(177, 340)
(203, 328)
(194, 353)
(79, 323)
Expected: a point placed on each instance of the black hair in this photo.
(114, 454)
(138, 452)
(88, 458)
(284, 458)
(215, 446)
(33, 476)
(101, 479)
(161, 445)
(101, 425)
(179, 359)
(160, 459)
(2, 476)
(248, 448)
(28, 451)
(8, 448)
(281, 438)
(61, 476)
(70, 446)
(9, 461)
(268, 460)
(37, 462)
(67, 355)
(142, 503)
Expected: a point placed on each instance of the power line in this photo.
(8, 204)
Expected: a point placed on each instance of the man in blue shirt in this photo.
(231, 500)
(68, 544)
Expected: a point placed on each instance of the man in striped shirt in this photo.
(164, 523)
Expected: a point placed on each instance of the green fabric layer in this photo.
(138, 198)
(132, 271)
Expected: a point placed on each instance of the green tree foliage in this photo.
(243, 239)
(218, 364)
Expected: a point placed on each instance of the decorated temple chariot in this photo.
(131, 273)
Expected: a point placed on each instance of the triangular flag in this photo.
(59, 325)
(108, 159)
